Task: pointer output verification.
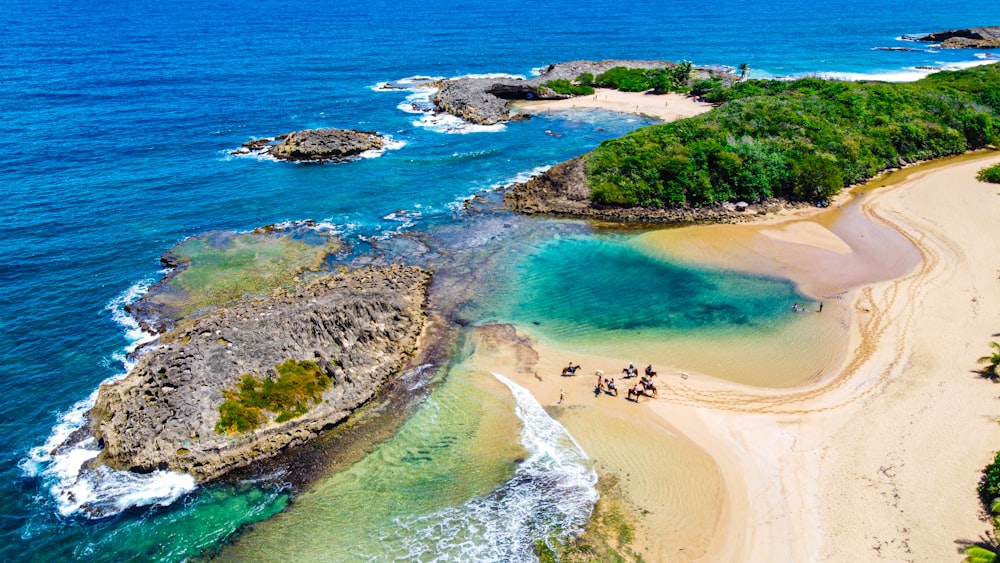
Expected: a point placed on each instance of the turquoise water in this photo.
(437, 492)
(582, 288)
(119, 117)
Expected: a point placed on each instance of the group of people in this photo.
(796, 308)
(645, 387)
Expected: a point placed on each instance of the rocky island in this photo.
(971, 38)
(315, 145)
(245, 382)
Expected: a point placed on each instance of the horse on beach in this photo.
(633, 394)
(570, 369)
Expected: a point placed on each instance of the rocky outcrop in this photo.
(316, 145)
(360, 327)
(562, 191)
(971, 38)
(486, 101)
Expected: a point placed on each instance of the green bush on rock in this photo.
(298, 386)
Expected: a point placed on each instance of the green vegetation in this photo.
(801, 140)
(980, 554)
(298, 386)
(660, 80)
(990, 174)
(992, 362)
(989, 486)
(223, 267)
(567, 88)
(989, 490)
(986, 550)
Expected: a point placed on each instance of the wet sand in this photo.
(877, 457)
(666, 107)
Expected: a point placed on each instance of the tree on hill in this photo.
(744, 69)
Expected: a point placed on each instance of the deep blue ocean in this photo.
(118, 118)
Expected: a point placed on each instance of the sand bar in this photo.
(877, 460)
(666, 107)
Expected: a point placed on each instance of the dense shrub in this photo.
(659, 80)
(989, 485)
(991, 174)
(297, 387)
(625, 79)
(567, 88)
(801, 140)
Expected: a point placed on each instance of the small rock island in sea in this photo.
(270, 363)
(315, 145)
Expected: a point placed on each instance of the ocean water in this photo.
(119, 117)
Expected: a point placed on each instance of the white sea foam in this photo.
(447, 123)
(522, 177)
(551, 496)
(461, 201)
(906, 75)
(60, 462)
(419, 101)
(388, 144)
(405, 83)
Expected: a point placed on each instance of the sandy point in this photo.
(876, 460)
(666, 107)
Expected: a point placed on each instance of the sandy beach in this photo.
(666, 107)
(876, 459)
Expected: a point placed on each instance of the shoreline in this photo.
(813, 439)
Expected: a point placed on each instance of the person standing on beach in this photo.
(820, 307)
(562, 396)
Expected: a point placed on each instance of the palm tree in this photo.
(744, 69)
(979, 554)
(992, 362)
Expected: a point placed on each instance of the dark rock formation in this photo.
(972, 38)
(486, 100)
(361, 327)
(316, 145)
(562, 191)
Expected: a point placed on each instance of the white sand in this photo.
(879, 459)
(667, 107)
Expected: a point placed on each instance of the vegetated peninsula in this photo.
(256, 353)
(970, 38)
(769, 140)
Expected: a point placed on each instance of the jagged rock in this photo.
(316, 145)
(562, 191)
(486, 100)
(971, 38)
(360, 327)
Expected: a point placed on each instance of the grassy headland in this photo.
(801, 140)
